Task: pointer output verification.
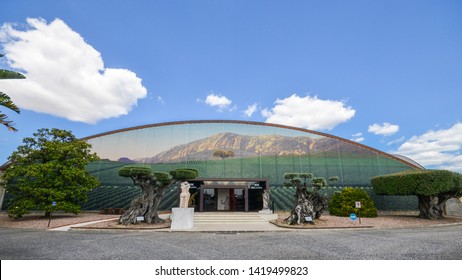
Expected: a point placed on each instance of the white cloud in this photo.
(308, 112)
(66, 76)
(357, 137)
(396, 141)
(220, 101)
(266, 113)
(385, 129)
(436, 149)
(454, 164)
(250, 110)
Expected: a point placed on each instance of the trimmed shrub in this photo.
(128, 171)
(343, 203)
(184, 174)
(418, 182)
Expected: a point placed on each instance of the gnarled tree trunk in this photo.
(155, 219)
(145, 206)
(307, 204)
(303, 208)
(320, 204)
(153, 185)
(432, 207)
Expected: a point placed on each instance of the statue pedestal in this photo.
(182, 218)
(265, 211)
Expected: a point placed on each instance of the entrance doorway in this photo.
(223, 199)
(228, 194)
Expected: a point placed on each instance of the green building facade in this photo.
(237, 161)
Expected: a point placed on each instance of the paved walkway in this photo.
(255, 222)
(212, 222)
(68, 227)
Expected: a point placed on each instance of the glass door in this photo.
(210, 200)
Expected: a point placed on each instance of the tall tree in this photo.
(47, 168)
(308, 201)
(5, 100)
(432, 188)
(153, 186)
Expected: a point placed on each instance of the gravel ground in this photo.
(38, 221)
(385, 220)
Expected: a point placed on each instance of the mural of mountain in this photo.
(247, 146)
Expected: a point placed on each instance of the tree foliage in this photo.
(47, 168)
(7, 74)
(432, 187)
(153, 186)
(5, 100)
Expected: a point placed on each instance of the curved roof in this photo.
(411, 161)
(401, 159)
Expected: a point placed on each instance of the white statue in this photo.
(184, 196)
(265, 199)
(225, 203)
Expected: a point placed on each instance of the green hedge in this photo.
(343, 203)
(418, 182)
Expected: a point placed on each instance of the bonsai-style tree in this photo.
(308, 203)
(432, 187)
(47, 168)
(5, 100)
(153, 186)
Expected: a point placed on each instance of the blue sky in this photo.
(387, 74)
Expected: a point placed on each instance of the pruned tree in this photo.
(432, 188)
(47, 168)
(153, 186)
(308, 201)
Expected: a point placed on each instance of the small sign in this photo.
(53, 203)
(140, 218)
(358, 204)
(353, 216)
(308, 219)
(256, 186)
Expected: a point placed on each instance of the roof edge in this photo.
(407, 161)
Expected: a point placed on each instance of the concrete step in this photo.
(221, 221)
(229, 218)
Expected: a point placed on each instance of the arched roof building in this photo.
(239, 158)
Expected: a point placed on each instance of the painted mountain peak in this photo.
(247, 146)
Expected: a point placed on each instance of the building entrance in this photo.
(224, 200)
(228, 194)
